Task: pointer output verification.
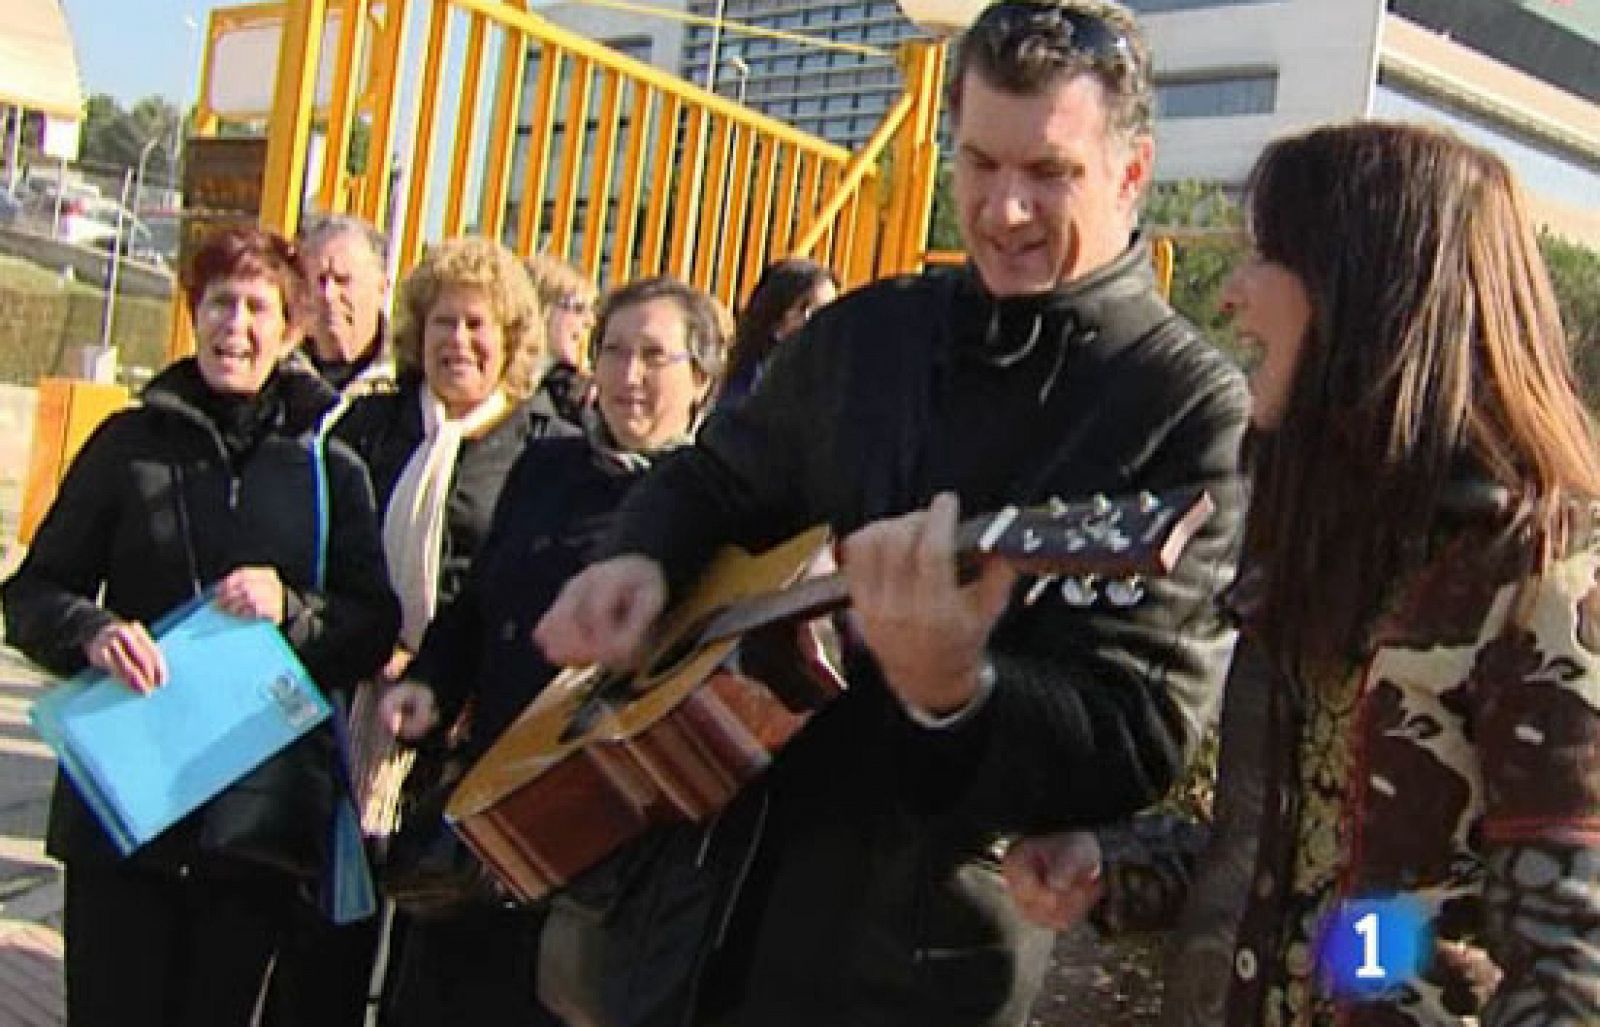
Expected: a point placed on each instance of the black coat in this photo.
(557, 502)
(875, 898)
(154, 510)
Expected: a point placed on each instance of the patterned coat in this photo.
(1458, 764)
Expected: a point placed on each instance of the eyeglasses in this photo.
(1086, 33)
(575, 304)
(654, 358)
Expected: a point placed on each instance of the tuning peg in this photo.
(1036, 590)
(1058, 506)
(1080, 592)
(1125, 592)
(1149, 502)
(1100, 504)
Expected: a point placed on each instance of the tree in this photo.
(1205, 224)
(114, 138)
(943, 231)
(1575, 274)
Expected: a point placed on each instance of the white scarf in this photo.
(413, 524)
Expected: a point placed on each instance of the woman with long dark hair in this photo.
(1421, 618)
(786, 295)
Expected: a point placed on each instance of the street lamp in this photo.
(192, 90)
(942, 18)
(138, 179)
(737, 65)
(716, 44)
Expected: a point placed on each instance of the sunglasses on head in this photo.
(1087, 33)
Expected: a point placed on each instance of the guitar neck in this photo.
(1135, 536)
(814, 597)
(803, 600)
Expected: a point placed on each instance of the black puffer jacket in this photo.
(875, 897)
(154, 510)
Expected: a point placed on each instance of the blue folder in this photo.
(236, 694)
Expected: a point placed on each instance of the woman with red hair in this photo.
(208, 486)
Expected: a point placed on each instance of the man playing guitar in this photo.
(858, 882)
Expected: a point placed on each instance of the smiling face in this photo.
(463, 348)
(648, 383)
(1271, 313)
(1043, 194)
(241, 329)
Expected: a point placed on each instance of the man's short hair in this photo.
(1026, 46)
(318, 228)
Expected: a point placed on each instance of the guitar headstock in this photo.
(1100, 537)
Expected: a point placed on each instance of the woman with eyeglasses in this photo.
(568, 299)
(659, 352)
(1421, 618)
(207, 487)
(783, 300)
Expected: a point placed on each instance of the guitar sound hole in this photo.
(588, 711)
(683, 647)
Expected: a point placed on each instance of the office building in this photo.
(1517, 76)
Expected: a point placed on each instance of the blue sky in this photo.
(133, 48)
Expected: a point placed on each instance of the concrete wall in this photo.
(1325, 54)
(88, 264)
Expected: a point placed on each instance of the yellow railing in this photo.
(663, 177)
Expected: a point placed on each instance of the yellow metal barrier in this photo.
(68, 412)
(605, 161)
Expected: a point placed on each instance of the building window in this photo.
(637, 47)
(1222, 96)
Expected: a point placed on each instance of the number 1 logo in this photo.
(1369, 928)
(1370, 946)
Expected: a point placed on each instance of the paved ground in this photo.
(30, 883)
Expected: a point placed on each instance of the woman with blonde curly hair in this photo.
(469, 347)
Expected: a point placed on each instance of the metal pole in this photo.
(116, 268)
(61, 187)
(138, 188)
(716, 45)
(740, 69)
(16, 148)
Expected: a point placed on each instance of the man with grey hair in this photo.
(858, 882)
(323, 973)
(345, 260)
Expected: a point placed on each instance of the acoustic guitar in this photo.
(602, 756)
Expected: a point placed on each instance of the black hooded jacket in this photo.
(158, 505)
(875, 898)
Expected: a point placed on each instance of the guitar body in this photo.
(601, 757)
(574, 779)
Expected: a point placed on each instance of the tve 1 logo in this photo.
(1372, 945)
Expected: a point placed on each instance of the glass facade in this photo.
(835, 94)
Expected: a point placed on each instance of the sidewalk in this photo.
(30, 882)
